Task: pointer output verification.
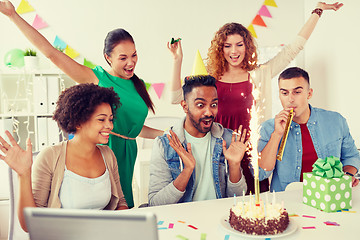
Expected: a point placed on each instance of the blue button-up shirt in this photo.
(330, 135)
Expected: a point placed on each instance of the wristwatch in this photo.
(347, 173)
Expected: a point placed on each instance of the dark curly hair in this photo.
(76, 104)
(216, 62)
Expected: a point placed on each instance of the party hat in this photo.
(199, 66)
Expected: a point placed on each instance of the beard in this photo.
(197, 123)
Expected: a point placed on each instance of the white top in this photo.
(78, 192)
(204, 183)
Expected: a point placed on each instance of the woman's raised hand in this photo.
(324, 6)
(17, 158)
(176, 49)
(7, 8)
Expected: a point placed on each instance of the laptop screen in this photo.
(60, 224)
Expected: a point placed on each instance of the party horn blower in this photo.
(286, 133)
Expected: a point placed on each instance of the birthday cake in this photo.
(264, 219)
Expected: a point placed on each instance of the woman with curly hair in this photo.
(120, 53)
(79, 173)
(232, 60)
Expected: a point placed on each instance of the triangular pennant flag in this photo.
(252, 30)
(147, 85)
(199, 66)
(270, 3)
(264, 12)
(89, 64)
(259, 21)
(39, 23)
(158, 87)
(24, 7)
(71, 52)
(58, 43)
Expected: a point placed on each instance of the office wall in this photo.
(331, 58)
(330, 55)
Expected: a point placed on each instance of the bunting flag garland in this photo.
(158, 87)
(89, 64)
(259, 21)
(58, 43)
(39, 23)
(24, 7)
(198, 67)
(147, 85)
(264, 11)
(270, 3)
(71, 52)
(252, 30)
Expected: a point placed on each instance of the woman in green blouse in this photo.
(120, 53)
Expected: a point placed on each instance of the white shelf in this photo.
(33, 95)
(24, 114)
(16, 71)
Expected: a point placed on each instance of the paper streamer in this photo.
(24, 7)
(39, 23)
(181, 237)
(191, 226)
(308, 227)
(264, 11)
(347, 210)
(158, 87)
(293, 215)
(307, 216)
(332, 223)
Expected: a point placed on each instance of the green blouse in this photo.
(129, 120)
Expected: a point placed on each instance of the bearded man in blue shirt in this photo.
(314, 133)
(197, 159)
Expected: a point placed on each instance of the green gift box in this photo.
(327, 194)
(327, 188)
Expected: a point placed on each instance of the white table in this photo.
(206, 217)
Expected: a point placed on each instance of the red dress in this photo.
(235, 102)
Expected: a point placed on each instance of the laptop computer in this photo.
(61, 224)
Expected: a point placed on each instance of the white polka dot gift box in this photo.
(326, 187)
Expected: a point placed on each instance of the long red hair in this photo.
(216, 62)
